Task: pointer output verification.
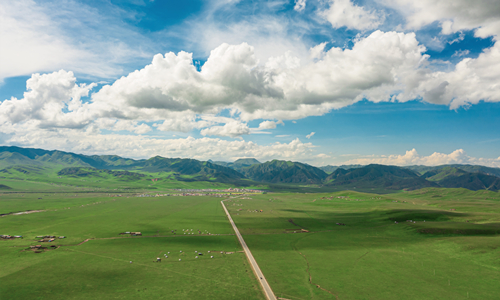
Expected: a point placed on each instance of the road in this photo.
(260, 277)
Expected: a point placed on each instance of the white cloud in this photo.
(46, 97)
(136, 146)
(471, 81)
(460, 53)
(267, 125)
(50, 35)
(300, 5)
(454, 16)
(318, 51)
(343, 13)
(271, 33)
(376, 67)
(231, 129)
(413, 158)
(174, 95)
(310, 135)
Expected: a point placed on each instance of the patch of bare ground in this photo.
(21, 213)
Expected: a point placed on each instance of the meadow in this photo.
(100, 268)
(450, 250)
(454, 254)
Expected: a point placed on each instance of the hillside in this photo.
(452, 177)
(466, 168)
(378, 176)
(17, 163)
(279, 171)
(330, 169)
(237, 165)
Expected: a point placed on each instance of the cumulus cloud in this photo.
(46, 97)
(267, 125)
(231, 129)
(343, 13)
(471, 81)
(377, 67)
(318, 51)
(454, 16)
(310, 135)
(174, 95)
(413, 158)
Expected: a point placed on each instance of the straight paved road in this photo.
(260, 277)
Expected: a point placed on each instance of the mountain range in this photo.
(247, 171)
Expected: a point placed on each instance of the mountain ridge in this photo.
(16, 162)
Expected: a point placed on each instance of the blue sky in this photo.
(319, 81)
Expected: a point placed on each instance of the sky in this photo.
(324, 82)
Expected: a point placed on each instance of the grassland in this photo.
(372, 257)
(454, 254)
(49, 178)
(101, 268)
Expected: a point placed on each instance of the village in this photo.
(206, 192)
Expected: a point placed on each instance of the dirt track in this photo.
(260, 277)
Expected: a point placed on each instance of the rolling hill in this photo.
(279, 171)
(466, 168)
(25, 163)
(453, 177)
(17, 161)
(378, 176)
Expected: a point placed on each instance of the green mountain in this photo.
(378, 176)
(452, 177)
(82, 172)
(471, 181)
(8, 159)
(439, 174)
(200, 171)
(330, 169)
(279, 171)
(466, 168)
(16, 162)
(237, 165)
(54, 166)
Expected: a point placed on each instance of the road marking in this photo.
(255, 267)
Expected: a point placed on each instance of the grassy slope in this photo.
(103, 180)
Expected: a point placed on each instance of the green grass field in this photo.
(101, 269)
(371, 257)
(454, 254)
